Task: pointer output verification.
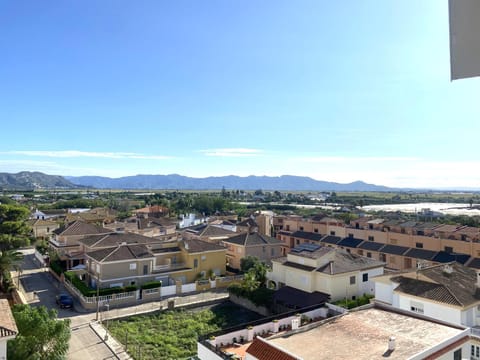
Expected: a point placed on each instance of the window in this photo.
(315, 230)
(416, 307)
(475, 351)
(357, 226)
(272, 251)
(448, 249)
(350, 236)
(204, 257)
(393, 260)
(301, 228)
(145, 269)
(297, 242)
(195, 263)
(369, 254)
(360, 252)
(352, 280)
(332, 233)
(370, 226)
(354, 297)
(371, 238)
(348, 250)
(264, 249)
(133, 266)
(383, 257)
(464, 237)
(287, 227)
(457, 354)
(419, 245)
(365, 277)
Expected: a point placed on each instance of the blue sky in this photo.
(339, 91)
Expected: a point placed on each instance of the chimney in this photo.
(331, 267)
(391, 343)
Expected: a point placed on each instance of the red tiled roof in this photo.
(8, 327)
(262, 350)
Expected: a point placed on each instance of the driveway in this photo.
(40, 288)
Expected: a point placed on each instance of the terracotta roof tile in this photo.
(262, 350)
(8, 327)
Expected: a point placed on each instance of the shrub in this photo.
(130, 288)
(151, 285)
(56, 267)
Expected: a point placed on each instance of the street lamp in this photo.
(107, 305)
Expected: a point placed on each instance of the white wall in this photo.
(3, 349)
(368, 287)
(384, 292)
(205, 354)
(433, 310)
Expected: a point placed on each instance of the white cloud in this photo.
(232, 152)
(76, 154)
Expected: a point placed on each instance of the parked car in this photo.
(64, 301)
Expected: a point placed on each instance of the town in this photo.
(408, 286)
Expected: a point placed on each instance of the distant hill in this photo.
(27, 180)
(178, 182)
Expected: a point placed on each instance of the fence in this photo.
(126, 298)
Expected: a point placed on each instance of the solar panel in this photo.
(306, 247)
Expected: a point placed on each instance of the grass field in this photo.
(173, 334)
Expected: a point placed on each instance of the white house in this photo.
(311, 267)
(447, 292)
(8, 327)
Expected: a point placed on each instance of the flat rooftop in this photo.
(364, 334)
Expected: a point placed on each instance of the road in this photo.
(40, 288)
(87, 340)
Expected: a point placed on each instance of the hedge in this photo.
(88, 291)
(151, 285)
(56, 267)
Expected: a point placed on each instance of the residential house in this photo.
(252, 243)
(155, 211)
(65, 241)
(447, 292)
(134, 264)
(8, 327)
(93, 216)
(51, 214)
(208, 232)
(311, 267)
(372, 332)
(151, 227)
(191, 220)
(43, 229)
(247, 225)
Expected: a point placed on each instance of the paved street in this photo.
(87, 340)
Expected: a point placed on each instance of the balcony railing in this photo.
(168, 267)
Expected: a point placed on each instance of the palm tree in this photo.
(9, 260)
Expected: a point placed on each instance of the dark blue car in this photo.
(64, 301)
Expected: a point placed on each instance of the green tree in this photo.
(40, 335)
(14, 231)
(255, 272)
(9, 260)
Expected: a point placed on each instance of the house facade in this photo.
(263, 247)
(65, 241)
(171, 263)
(447, 292)
(335, 272)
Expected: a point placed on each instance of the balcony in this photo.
(168, 267)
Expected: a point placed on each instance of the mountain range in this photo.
(36, 180)
(174, 181)
(27, 180)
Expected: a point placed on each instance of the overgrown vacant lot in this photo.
(174, 334)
